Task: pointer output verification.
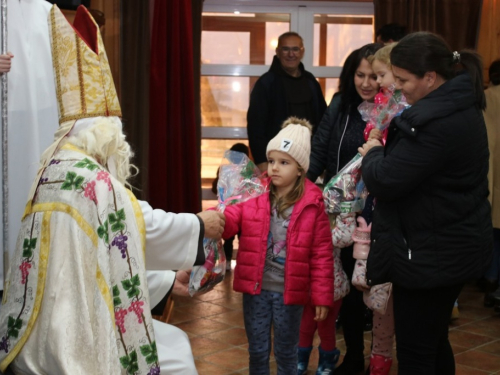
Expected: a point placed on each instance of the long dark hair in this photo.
(494, 72)
(391, 31)
(424, 52)
(347, 89)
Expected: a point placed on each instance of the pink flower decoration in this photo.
(24, 267)
(90, 191)
(136, 307)
(104, 176)
(120, 319)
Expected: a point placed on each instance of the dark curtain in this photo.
(197, 9)
(135, 56)
(174, 136)
(457, 21)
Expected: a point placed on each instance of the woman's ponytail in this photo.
(472, 62)
(423, 52)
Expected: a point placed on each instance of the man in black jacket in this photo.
(287, 89)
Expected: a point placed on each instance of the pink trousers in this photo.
(326, 328)
(383, 331)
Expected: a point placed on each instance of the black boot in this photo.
(492, 298)
(497, 305)
(327, 361)
(351, 366)
(303, 355)
(487, 285)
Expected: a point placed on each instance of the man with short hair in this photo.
(390, 33)
(287, 89)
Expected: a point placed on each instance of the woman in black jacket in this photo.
(334, 144)
(432, 224)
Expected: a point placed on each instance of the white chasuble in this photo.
(78, 301)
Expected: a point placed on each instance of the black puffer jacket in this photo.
(432, 222)
(336, 140)
(269, 108)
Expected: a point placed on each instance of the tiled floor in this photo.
(214, 323)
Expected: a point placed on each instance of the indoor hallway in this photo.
(214, 324)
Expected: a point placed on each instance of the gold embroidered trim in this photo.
(56, 60)
(89, 231)
(80, 74)
(83, 77)
(27, 209)
(72, 147)
(139, 219)
(87, 115)
(71, 211)
(42, 274)
(106, 293)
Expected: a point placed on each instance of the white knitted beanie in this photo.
(295, 139)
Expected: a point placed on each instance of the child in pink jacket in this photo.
(285, 255)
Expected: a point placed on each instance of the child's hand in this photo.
(321, 313)
(375, 134)
(363, 150)
(5, 62)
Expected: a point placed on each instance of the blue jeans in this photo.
(493, 273)
(260, 312)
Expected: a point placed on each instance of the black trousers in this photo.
(352, 312)
(421, 320)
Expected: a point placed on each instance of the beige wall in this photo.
(489, 34)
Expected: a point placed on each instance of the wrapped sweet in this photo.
(239, 181)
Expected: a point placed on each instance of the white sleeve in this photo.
(171, 239)
(159, 283)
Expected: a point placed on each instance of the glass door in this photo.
(237, 47)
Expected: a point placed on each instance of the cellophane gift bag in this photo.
(239, 181)
(387, 104)
(346, 192)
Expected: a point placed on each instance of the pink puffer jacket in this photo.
(309, 254)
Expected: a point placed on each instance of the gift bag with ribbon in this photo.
(387, 104)
(239, 180)
(346, 192)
